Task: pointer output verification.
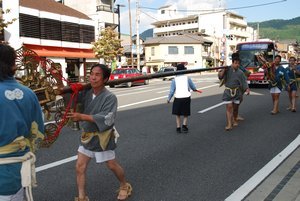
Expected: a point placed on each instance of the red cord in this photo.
(76, 87)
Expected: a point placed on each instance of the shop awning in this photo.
(49, 51)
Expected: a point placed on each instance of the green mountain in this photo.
(279, 29)
(147, 34)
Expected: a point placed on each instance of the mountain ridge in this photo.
(279, 29)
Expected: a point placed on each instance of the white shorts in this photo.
(100, 156)
(275, 90)
(19, 196)
(232, 101)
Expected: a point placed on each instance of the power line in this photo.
(149, 15)
(220, 10)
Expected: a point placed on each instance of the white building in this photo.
(215, 26)
(53, 31)
(103, 12)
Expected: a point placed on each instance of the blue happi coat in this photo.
(19, 107)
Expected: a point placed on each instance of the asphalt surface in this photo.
(208, 164)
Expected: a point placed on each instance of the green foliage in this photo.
(108, 46)
(3, 23)
(279, 29)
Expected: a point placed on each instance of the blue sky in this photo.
(275, 9)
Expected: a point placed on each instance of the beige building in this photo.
(190, 49)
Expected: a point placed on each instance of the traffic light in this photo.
(229, 37)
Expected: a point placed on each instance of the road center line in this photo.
(195, 83)
(56, 163)
(212, 107)
(137, 92)
(145, 101)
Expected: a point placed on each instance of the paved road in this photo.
(208, 164)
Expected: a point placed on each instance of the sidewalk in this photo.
(279, 180)
(283, 184)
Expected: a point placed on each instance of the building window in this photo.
(162, 12)
(50, 29)
(188, 50)
(152, 51)
(87, 34)
(205, 48)
(29, 26)
(173, 49)
(70, 32)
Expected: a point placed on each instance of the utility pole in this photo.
(119, 28)
(215, 49)
(130, 26)
(225, 43)
(119, 25)
(257, 37)
(137, 35)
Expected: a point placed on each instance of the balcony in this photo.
(240, 33)
(238, 22)
(176, 28)
(103, 7)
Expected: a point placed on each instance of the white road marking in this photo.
(56, 163)
(256, 179)
(222, 103)
(195, 82)
(255, 93)
(145, 101)
(137, 92)
(212, 107)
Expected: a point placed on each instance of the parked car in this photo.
(167, 69)
(127, 73)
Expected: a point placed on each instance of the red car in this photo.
(126, 73)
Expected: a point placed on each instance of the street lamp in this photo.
(118, 10)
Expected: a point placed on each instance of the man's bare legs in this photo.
(235, 113)
(81, 166)
(229, 116)
(236, 110)
(125, 188)
(275, 99)
(114, 166)
(292, 98)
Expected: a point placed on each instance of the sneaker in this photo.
(178, 130)
(185, 129)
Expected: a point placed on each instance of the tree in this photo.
(3, 23)
(108, 46)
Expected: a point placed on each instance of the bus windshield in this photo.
(248, 52)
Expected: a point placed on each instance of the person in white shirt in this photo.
(180, 88)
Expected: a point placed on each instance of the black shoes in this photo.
(185, 129)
